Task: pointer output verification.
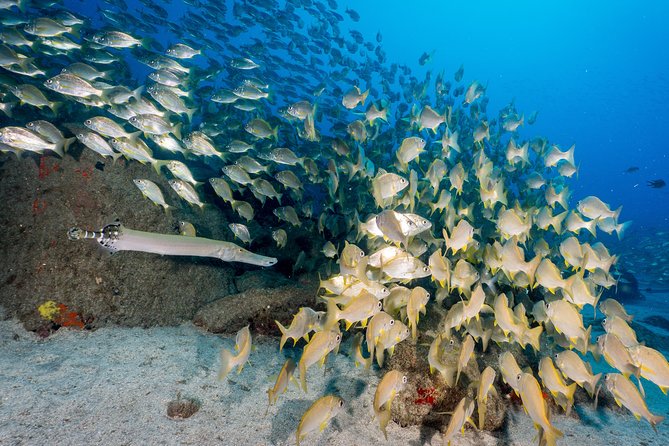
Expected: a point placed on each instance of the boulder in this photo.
(42, 197)
(258, 307)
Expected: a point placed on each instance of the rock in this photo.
(182, 408)
(44, 196)
(264, 278)
(427, 396)
(259, 307)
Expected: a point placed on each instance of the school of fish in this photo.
(423, 199)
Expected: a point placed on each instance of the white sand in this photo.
(112, 386)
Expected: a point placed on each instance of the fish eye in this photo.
(49, 81)
(392, 322)
(240, 250)
(379, 304)
(80, 135)
(405, 379)
(88, 122)
(114, 141)
(451, 342)
(341, 403)
(427, 294)
(338, 338)
(426, 269)
(556, 356)
(604, 321)
(518, 377)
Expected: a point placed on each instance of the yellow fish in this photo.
(390, 385)
(317, 417)
(282, 381)
(243, 347)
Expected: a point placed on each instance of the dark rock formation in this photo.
(42, 197)
(259, 307)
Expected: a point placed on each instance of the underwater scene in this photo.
(334, 222)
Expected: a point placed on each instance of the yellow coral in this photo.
(49, 310)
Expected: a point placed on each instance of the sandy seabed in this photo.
(113, 385)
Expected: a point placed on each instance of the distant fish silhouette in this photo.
(657, 184)
(631, 169)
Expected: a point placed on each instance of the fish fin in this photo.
(176, 130)
(226, 364)
(655, 420)
(332, 316)
(384, 419)
(67, 142)
(189, 113)
(303, 376)
(643, 392)
(283, 331)
(481, 410)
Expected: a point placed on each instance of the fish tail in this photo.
(550, 436)
(384, 418)
(58, 148)
(616, 214)
(227, 363)
(655, 420)
(67, 142)
(157, 164)
(332, 316)
(189, 113)
(54, 106)
(176, 130)
(637, 374)
(137, 93)
(364, 97)
(132, 137)
(270, 396)
(621, 228)
(303, 376)
(284, 336)
(569, 155)
(482, 408)
(592, 384)
(591, 226)
(571, 389)
(146, 43)
(586, 347)
(380, 354)
(534, 337)
(75, 30)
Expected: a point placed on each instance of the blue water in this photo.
(596, 71)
